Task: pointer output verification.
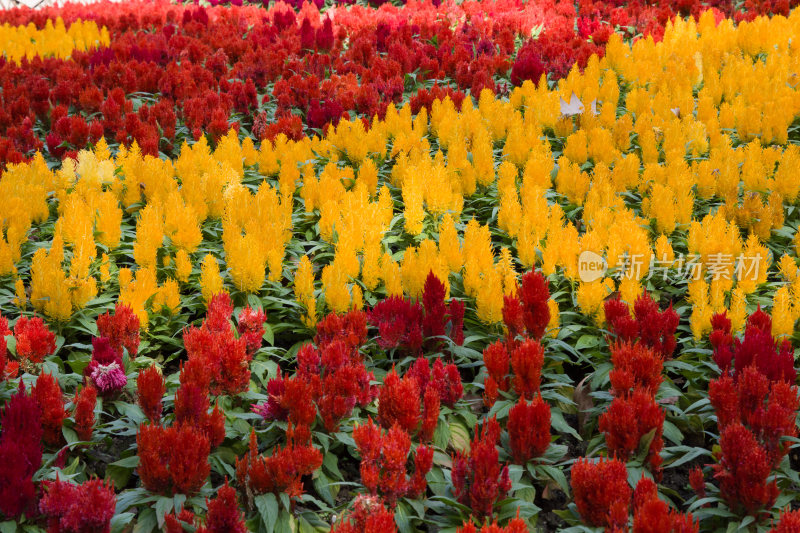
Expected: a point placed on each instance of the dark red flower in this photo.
(224, 515)
(78, 508)
(529, 429)
(527, 361)
(85, 402)
(20, 453)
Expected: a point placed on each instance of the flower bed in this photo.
(565, 304)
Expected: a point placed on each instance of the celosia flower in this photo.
(742, 471)
(282, 471)
(173, 459)
(34, 340)
(191, 408)
(48, 396)
(223, 514)
(78, 508)
(383, 462)
(251, 328)
(789, 522)
(368, 514)
(628, 420)
(697, 481)
(399, 402)
(121, 329)
(150, 388)
(636, 366)
(20, 453)
(85, 402)
(515, 525)
(430, 415)
(496, 360)
(479, 480)
(527, 361)
(350, 328)
(109, 379)
(529, 429)
(599, 486)
(399, 323)
(654, 328)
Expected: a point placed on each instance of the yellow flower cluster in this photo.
(54, 40)
(692, 179)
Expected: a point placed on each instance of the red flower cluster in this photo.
(34, 340)
(150, 388)
(653, 328)
(251, 328)
(652, 515)
(47, 395)
(527, 313)
(223, 515)
(8, 369)
(479, 480)
(280, 472)
(757, 348)
(78, 508)
(636, 366)
(383, 462)
(215, 348)
(601, 492)
(192, 405)
(412, 326)
(529, 429)
(173, 460)
(349, 328)
(20, 453)
(789, 522)
(628, 421)
(121, 329)
(526, 360)
(742, 471)
(445, 379)
(85, 402)
(368, 515)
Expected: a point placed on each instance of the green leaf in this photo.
(267, 506)
(459, 436)
(146, 522)
(560, 425)
(119, 522)
(8, 527)
(164, 506)
(128, 462)
(557, 475)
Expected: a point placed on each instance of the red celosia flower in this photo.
(150, 388)
(789, 522)
(174, 523)
(224, 515)
(34, 340)
(174, 459)
(528, 65)
(121, 328)
(251, 327)
(479, 480)
(105, 369)
(534, 293)
(48, 396)
(652, 515)
(191, 408)
(280, 472)
(698, 481)
(515, 525)
(742, 471)
(20, 453)
(599, 486)
(78, 508)
(496, 360)
(85, 402)
(224, 355)
(529, 429)
(630, 419)
(218, 314)
(399, 323)
(383, 462)
(399, 402)
(369, 514)
(654, 328)
(8, 369)
(527, 361)
(4, 326)
(290, 399)
(430, 416)
(351, 328)
(636, 366)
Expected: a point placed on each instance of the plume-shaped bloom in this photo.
(85, 402)
(251, 328)
(529, 429)
(601, 491)
(121, 329)
(497, 363)
(172, 460)
(636, 366)
(150, 389)
(527, 361)
(479, 480)
(629, 420)
(223, 514)
(191, 409)
(399, 402)
(48, 396)
(652, 327)
(281, 471)
(78, 508)
(20, 453)
(34, 340)
(383, 462)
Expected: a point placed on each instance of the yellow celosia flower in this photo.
(304, 290)
(783, 317)
(21, 298)
(553, 326)
(210, 279)
(590, 297)
(183, 266)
